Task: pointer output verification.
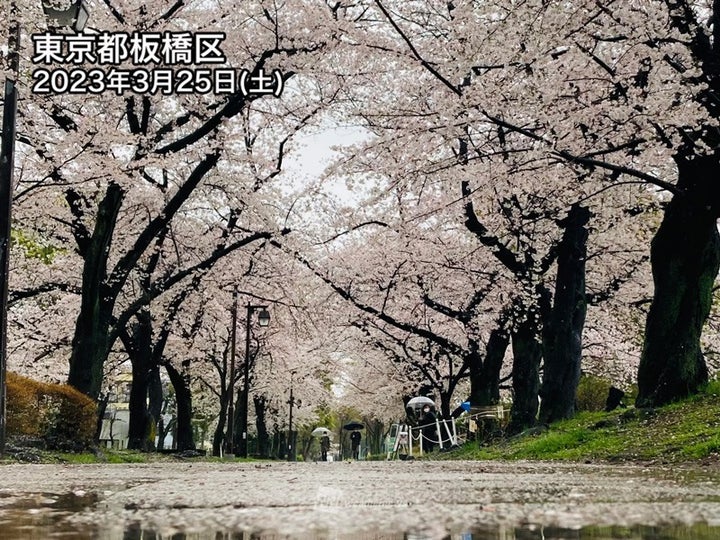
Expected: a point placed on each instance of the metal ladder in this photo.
(403, 441)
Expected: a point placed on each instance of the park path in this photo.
(432, 499)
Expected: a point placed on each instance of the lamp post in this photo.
(263, 320)
(76, 16)
(7, 155)
(231, 383)
(291, 439)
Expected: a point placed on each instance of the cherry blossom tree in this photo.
(627, 92)
(123, 189)
(598, 97)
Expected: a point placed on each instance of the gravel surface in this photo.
(428, 498)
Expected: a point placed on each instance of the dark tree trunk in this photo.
(685, 257)
(164, 428)
(155, 406)
(139, 349)
(263, 438)
(445, 397)
(222, 366)
(139, 414)
(184, 432)
(219, 435)
(162, 432)
(374, 430)
(90, 342)
(485, 374)
(280, 440)
(238, 441)
(173, 429)
(527, 353)
(563, 337)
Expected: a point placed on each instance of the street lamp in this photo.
(7, 164)
(231, 383)
(263, 320)
(291, 439)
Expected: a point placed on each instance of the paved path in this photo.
(429, 498)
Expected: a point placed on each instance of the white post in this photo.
(439, 433)
(449, 433)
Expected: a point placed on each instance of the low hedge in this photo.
(57, 415)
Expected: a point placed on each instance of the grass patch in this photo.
(75, 459)
(684, 431)
(104, 456)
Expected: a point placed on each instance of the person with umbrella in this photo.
(324, 446)
(429, 433)
(324, 434)
(355, 438)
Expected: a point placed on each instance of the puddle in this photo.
(18, 525)
(44, 515)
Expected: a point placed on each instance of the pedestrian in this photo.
(355, 441)
(324, 446)
(429, 431)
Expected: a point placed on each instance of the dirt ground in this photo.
(432, 499)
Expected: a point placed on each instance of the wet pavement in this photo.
(420, 499)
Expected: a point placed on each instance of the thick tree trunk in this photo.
(219, 434)
(279, 444)
(90, 344)
(184, 434)
(239, 444)
(139, 414)
(219, 443)
(563, 338)
(162, 432)
(527, 353)
(139, 349)
(263, 438)
(445, 397)
(685, 257)
(155, 403)
(485, 373)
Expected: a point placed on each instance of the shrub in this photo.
(57, 414)
(592, 393)
(22, 406)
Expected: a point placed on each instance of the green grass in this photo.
(103, 456)
(106, 455)
(681, 432)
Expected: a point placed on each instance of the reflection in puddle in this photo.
(41, 516)
(529, 532)
(638, 532)
(39, 525)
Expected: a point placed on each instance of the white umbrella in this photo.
(419, 402)
(321, 432)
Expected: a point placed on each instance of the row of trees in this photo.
(530, 126)
(492, 225)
